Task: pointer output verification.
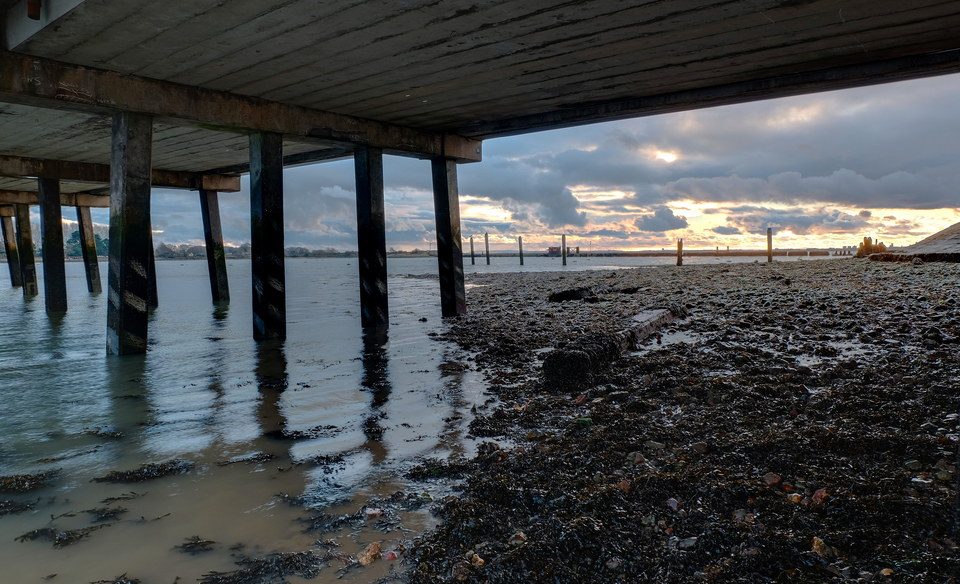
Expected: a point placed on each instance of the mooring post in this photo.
(371, 238)
(130, 238)
(563, 248)
(520, 247)
(769, 245)
(28, 266)
(10, 246)
(51, 233)
(213, 237)
(486, 244)
(446, 201)
(473, 258)
(88, 247)
(680, 252)
(266, 236)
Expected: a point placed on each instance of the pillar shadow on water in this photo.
(272, 379)
(376, 380)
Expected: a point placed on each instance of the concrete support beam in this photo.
(41, 82)
(66, 200)
(213, 237)
(28, 266)
(51, 233)
(266, 237)
(446, 202)
(371, 238)
(88, 246)
(19, 166)
(128, 279)
(10, 247)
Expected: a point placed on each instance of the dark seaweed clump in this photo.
(23, 483)
(60, 537)
(194, 545)
(271, 569)
(121, 579)
(8, 507)
(103, 514)
(147, 472)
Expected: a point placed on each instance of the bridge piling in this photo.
(446, 200)
(130, 236)
(769, 245)
(371, 238)
(520, 247)
(266, 240)
(10, 246)
(28, 265)
(563, 248)
(51, 234)
(486, 244)
(88, 247)
(473, 257)
(213, 237)
(153, 300)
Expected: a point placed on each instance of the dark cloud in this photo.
(726, 230)
(662, 219)
(798, 220)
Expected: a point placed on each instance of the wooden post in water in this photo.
(446, 202)
(130, 239)
(520, 244)
(372, 239)
(486, 244)
(769, 245)
(473, 259)
(266, 237)
(563, 248)
(213, 239)
(10, 246)
(679, 252)
(28, 266)
(51, 233)
(88, 247)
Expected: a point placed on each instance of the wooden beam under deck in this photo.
(66, 200)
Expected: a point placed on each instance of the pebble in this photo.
(772, 479)
(913, 465)
(369, 554)
(654, 445)
(673, 503)
(687, 543)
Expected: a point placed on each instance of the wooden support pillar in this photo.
(446, 201)
(372, 242)
(680, 252)
(153, 299)
(128, 280)
(266, 236)
(88, 246)
(486, 244)
(51, 233)
(563, 248)
(769, 245)
(28, 266)
(520, 246)
(10, 246)
(213, 236)
(473, 258)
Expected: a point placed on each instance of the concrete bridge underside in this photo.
(102, 99)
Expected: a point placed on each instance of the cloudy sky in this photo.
(823, 170)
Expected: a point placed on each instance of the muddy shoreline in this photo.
(800, 424)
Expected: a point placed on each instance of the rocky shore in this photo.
(798, 423)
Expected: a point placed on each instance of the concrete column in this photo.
(130, 239)
(153, 299)
(10, 246)
(372, 238)
(473, 257)
(446, 202)
(563, 248)
(266, 236)
(88, 245)
(28, 266)
(213, 236)
(51, 234)
(769, 244)
(520, 247)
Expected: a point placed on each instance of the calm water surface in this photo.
(207, 393)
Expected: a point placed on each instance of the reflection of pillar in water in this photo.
(271, 375)
(376, 379)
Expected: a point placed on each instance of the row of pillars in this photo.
(131, 246)
(486, 244)
(769, 248)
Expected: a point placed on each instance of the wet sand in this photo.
(799, 425)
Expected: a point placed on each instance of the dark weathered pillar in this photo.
(371, 238)
(88, 246)
(51, 234)
(473, 257)
(10, 246)
(266, 236)
(486, 244)
(213, 236)
(153, 300)
(446, 203)
(28, 266)
(563, 248)
(679, 252)
(520, 247)
(769, 244)
(130, 237)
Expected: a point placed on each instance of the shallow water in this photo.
(205, 392)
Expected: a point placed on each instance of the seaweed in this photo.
(194, 545)
(121, 579)
(60, 537)
(271, 569)
(23, 483)
(147, 472)
(9, 507)
(102, 514)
